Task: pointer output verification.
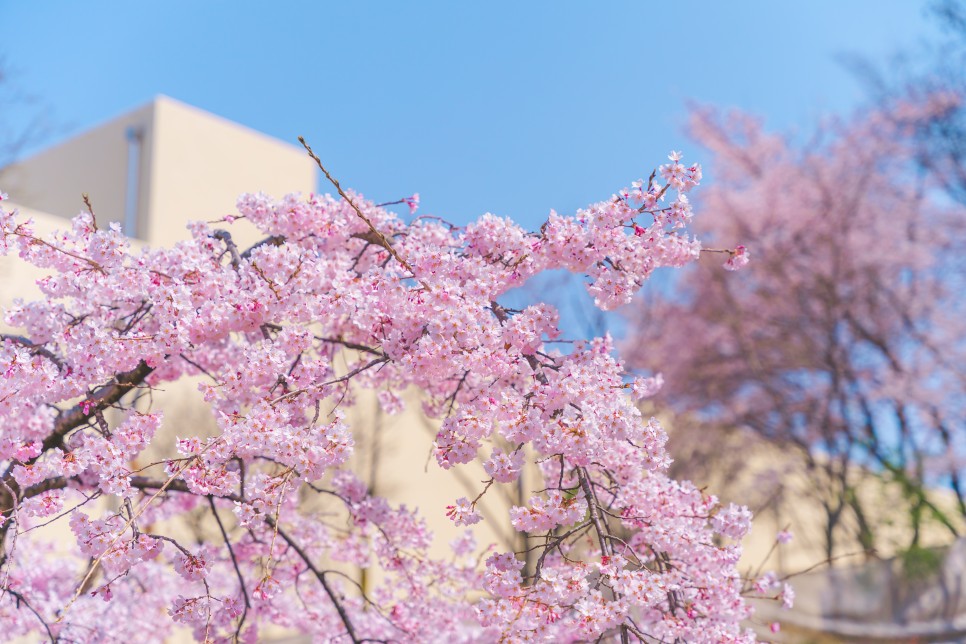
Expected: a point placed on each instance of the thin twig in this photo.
(343, 615)
(90, 208)
(376, 237)
(23, 600)
(234, 562)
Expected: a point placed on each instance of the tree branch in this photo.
(336, 602)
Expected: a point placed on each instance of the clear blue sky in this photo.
(508, 107)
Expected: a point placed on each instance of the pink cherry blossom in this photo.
(463, 512)
(413, 203)
(341, 298)
(738, 259)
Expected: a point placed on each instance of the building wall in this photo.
(201, 163)
(192, 165)
(94, 162)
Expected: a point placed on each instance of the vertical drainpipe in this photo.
(134, 137)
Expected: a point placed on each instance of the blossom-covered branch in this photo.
(342, 296)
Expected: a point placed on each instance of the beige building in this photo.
(156, 168)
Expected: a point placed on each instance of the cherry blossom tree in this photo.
(616, 548)
(925, 73)
(845, 340)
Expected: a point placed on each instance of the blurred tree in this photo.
(845, 340)
(24, 119)
(935, 69)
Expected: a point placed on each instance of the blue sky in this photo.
(508, 107)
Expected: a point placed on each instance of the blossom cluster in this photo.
(342, 295)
